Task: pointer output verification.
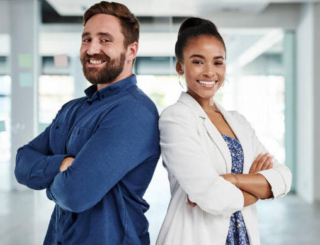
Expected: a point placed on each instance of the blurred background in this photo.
(273, 54)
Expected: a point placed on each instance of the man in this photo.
(98, 156)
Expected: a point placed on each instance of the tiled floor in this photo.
(287, 221)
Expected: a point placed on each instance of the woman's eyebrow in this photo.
(202, 57)
(196, 56)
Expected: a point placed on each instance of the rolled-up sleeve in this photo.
(279, 177)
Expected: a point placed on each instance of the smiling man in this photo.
(97, 157)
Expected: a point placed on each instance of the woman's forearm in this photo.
(249, 199)
(255, 184)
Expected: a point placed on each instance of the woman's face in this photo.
(203, 66)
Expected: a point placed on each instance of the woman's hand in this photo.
(192, 204)
(262, 162)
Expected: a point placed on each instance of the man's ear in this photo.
(179, 68)
(132, 51)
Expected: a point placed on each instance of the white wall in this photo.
(308, 116)
(4, 16)
(316, 102)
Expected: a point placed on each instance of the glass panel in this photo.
(54, 91)
(261, 100)
(5, 141)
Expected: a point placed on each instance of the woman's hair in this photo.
(194, 27)
(129, 23)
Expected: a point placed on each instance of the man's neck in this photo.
(119, 78)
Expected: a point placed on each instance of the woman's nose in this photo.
(209, 71)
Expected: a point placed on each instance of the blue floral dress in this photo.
(237, 234)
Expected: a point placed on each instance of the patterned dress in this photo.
(237, 234)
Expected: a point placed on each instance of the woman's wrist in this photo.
(237, 182)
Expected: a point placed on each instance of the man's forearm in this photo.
(35, 169)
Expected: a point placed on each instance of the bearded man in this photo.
(97, 157)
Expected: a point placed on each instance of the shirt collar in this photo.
(93, 94)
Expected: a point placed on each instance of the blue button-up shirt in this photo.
(113, 135)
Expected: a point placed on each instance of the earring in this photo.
(180, 82)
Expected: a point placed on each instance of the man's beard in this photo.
(108, 73)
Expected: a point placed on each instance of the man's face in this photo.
(102, 52)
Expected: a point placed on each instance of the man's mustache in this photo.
(98, 57)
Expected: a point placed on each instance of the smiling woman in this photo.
(218, 169)
(204, 67)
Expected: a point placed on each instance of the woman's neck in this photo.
(207, 104)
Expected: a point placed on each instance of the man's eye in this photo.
(86, 40)
(105, 40)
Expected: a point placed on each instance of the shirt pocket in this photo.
(58, 134)
(78, 138)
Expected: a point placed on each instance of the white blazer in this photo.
(195, 155)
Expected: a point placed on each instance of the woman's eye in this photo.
(197, 62)
(218, 63)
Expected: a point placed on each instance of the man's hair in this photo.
(130, 26)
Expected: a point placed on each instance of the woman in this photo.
(218, 169)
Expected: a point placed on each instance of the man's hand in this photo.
(262, 162)
(67, 162)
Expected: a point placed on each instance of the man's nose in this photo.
(94, 48)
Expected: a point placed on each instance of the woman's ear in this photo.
(179, 68)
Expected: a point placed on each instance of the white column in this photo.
(316, 101)
(308, 114)
(24, 62)
(80, 82)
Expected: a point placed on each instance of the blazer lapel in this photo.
(238, 131)
(220, 143)
(213, 133)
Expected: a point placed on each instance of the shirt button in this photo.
(41, 187)
(102, 96)
(57, 127)
(79, 131)
(59, 243)
(63, 212)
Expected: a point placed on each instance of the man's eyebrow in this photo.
(85, 34)
(105, 34)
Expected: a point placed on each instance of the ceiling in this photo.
(172, 7)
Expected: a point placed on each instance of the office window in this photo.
(54, 91)
(5, 141)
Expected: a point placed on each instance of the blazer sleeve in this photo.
(279, 177)
(186, 159)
